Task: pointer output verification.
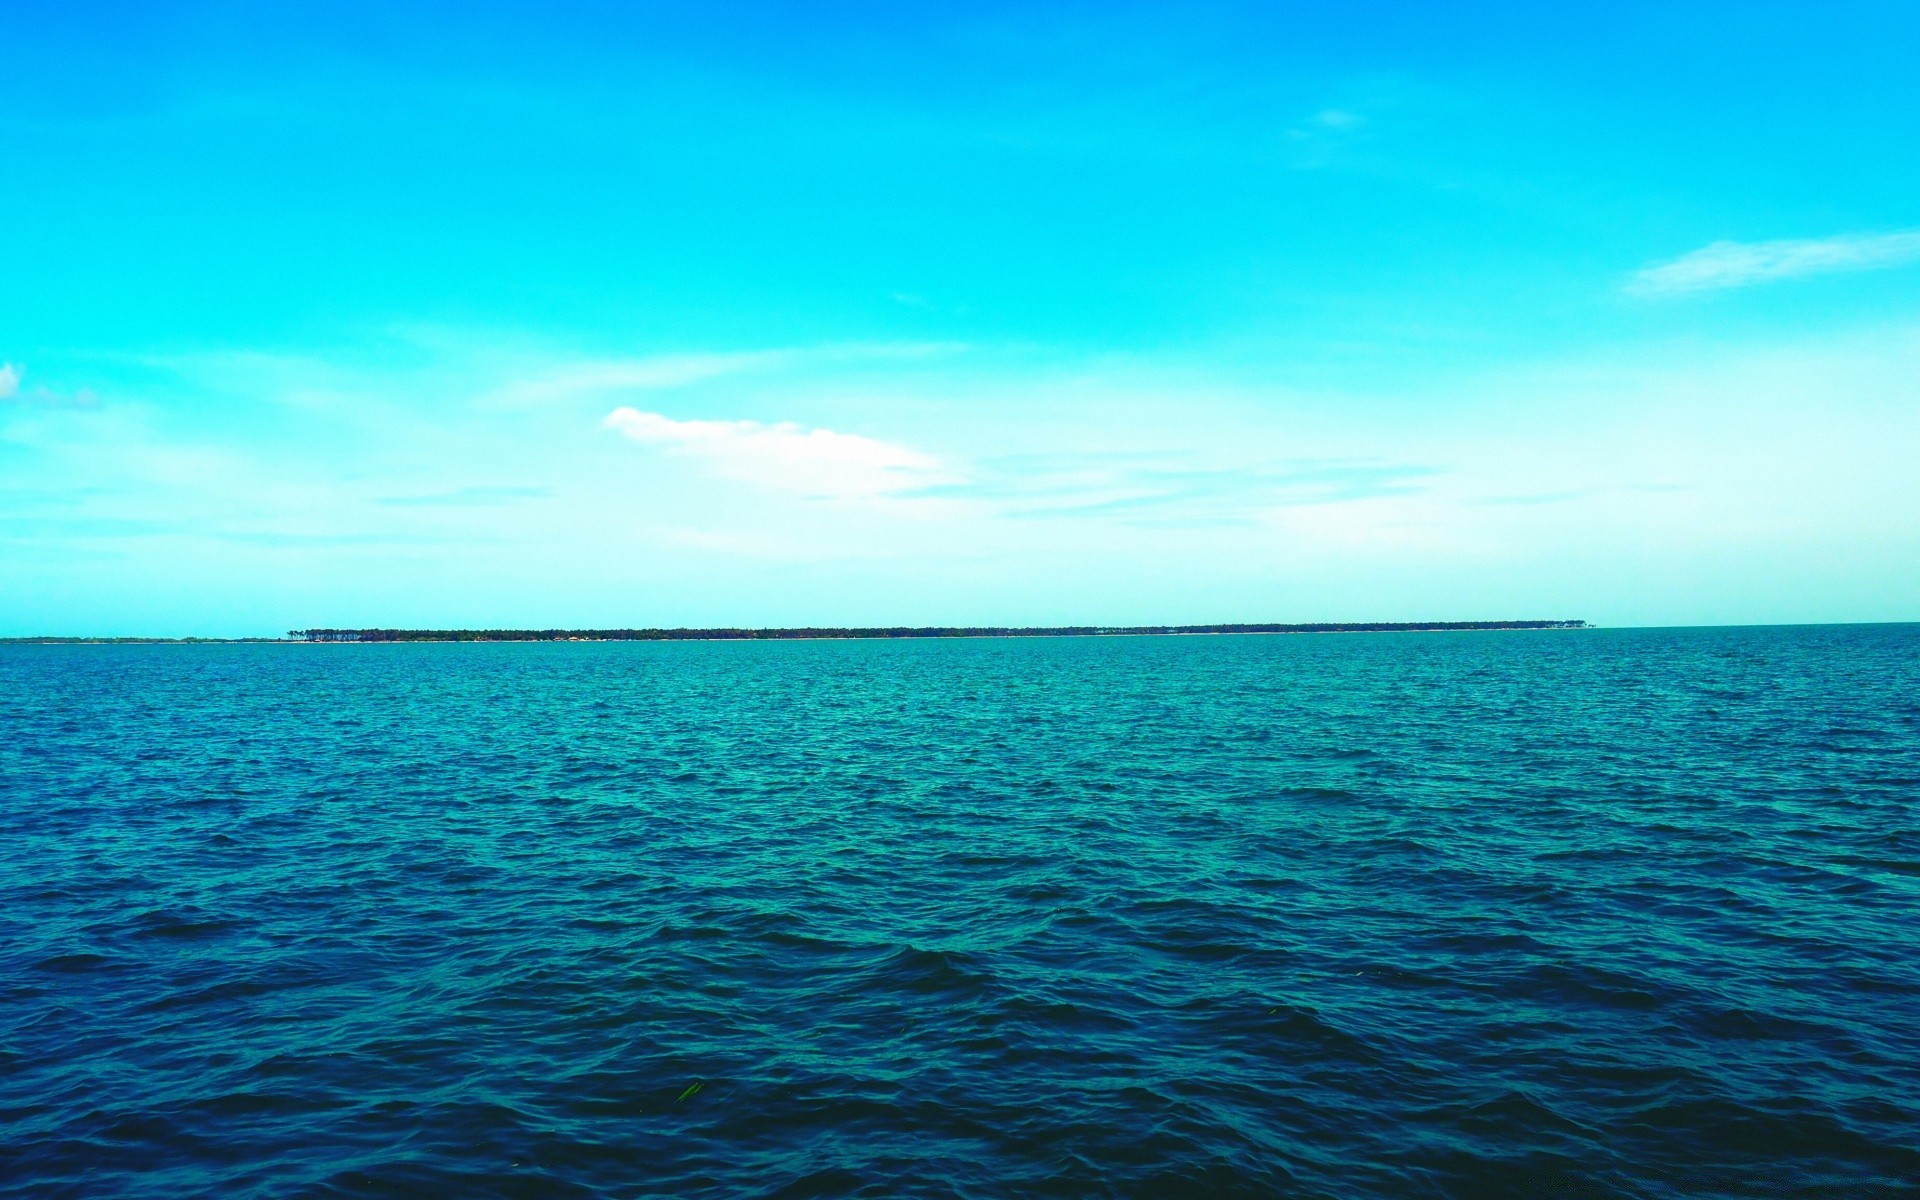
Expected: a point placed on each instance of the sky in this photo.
(609, 315)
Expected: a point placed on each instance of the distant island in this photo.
(894, 631)
(807, 633)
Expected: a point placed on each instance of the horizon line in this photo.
(318, 635)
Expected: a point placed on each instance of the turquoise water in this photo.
(1607, 913)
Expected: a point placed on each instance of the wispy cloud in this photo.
(1328, 136)
(468, 497)
(1743, 264)
(812, 462)
(642, 374)
(665, 371)
(1157, 489)
(1336, 119)
(39, 397)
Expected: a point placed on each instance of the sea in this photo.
(1609, 912)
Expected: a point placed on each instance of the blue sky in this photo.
(491, 314)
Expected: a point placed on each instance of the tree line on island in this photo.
(896, 631)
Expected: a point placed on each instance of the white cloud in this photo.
(40, 397)
(640, 374)
(1337, 118)
(1324, 132)
(1742, 264)
(1172, 487)
(812, 462)
(659, 372)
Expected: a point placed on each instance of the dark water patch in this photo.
(75, 964)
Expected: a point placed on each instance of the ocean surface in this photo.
(1600, 913)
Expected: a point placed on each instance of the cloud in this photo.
(1326, 124)
(664, 371)
(1326, 137)
(468, 497)
(642, 374)
(1150, 488)
(1336, 118)
(812, 462)
(39, 397)
(1742, 264)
